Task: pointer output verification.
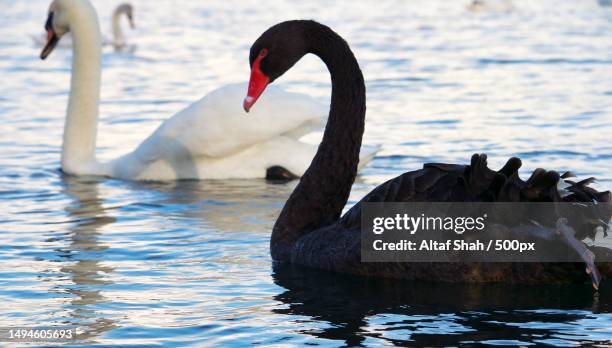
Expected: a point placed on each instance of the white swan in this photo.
(118, 40)
(118, 37)
(605, 3)
(490, 6)
(211, 139)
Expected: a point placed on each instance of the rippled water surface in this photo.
(187, 264)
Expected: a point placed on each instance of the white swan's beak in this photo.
(52, 38)
(51, 43)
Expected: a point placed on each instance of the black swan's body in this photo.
(310, 230)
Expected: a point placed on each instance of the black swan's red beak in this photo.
(257, 84)
(52, 38)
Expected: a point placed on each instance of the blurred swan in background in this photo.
(605, 3)
(210, 139)
(118, 36)
(118, 39)
(490, 5)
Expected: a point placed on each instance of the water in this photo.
(187, 264)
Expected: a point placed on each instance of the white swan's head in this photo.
(60, 15)
(127, 10)
(57, 24)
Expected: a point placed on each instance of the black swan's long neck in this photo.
(324, 189)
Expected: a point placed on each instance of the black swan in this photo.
(310, 230)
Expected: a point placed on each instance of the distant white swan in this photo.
(605, 3)
(490, 6)
(211, 139)
(118, 37)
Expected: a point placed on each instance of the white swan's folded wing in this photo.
(217, 126)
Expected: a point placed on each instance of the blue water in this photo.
(187, 264)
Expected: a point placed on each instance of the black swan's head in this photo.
(275, 52)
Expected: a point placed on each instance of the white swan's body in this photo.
(211, 139)
(214, 139)
(118, 39)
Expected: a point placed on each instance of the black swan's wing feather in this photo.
(337, 247)
(477, 183)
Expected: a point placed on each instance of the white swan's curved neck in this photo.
(79, 143)
(118, 37)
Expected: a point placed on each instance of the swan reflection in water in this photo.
(358, 310)
(84, 257)
(221, 206)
